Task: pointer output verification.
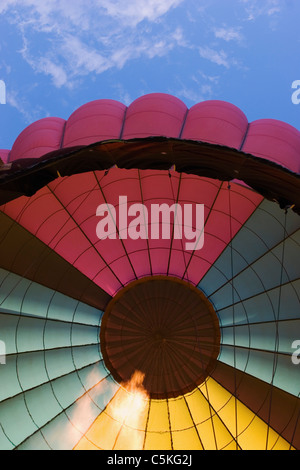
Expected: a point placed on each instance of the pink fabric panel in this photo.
(93, 122)
(63, 216)
(39, 138)
(276, 141)
(155, 114)
(4, 155)
(216, 122)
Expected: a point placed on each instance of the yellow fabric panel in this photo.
(215, 394)
(184, 434)
(212, 432)
(224, 404)
(85, 444)
(206, 433)
(130, 439)
(251, 431)
(198, 406)
(104, 431)
(278, 443)
(186, 440)
(158, 441)
(180, 417)
(158, 435)
(231, 446)
(223, 436)
(255, 437)
(158, 420)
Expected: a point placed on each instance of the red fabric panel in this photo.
(4, 155)
(275, 141)
(154, 114)
(216, 122)
(93, 122)
(37, 139)
(63, 215)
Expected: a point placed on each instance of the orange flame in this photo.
(122, 424)
(129, 408)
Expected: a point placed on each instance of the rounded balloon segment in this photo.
(150, 280)
(164, 328)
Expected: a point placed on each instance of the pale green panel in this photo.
(68, 389)
(15, 419)
(31, 369)
(83, 355)
(57, 334)
(42, 404)
(289, 305)
(58, 434)
(260, 364)
(62, 308)
(13, 288)
(9, 384)
(261, 232)
(18, 294)
(92, 375)
(264, 336)
(288, 331)
(103, 392)
(87, 315)
(8, 325)
(71, 310)
(34, 442)
(30, 334)
(271, 269)
(36, 300)
(58, 362)
(287, 375)
(62, 361)
(266, 273)
(265, 306)
(85, 335)
(239, 315)
(5, 443)
(65, 430)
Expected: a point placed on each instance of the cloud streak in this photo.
(77, 38)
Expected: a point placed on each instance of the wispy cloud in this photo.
(228, 34)
(218, 57)
(77, 38)
(256, 8)
(30, 113)
(132, 12)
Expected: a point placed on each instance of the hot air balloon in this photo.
(139, 342)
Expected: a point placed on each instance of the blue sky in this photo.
(56, 55)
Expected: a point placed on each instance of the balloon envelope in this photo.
(122, 343)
